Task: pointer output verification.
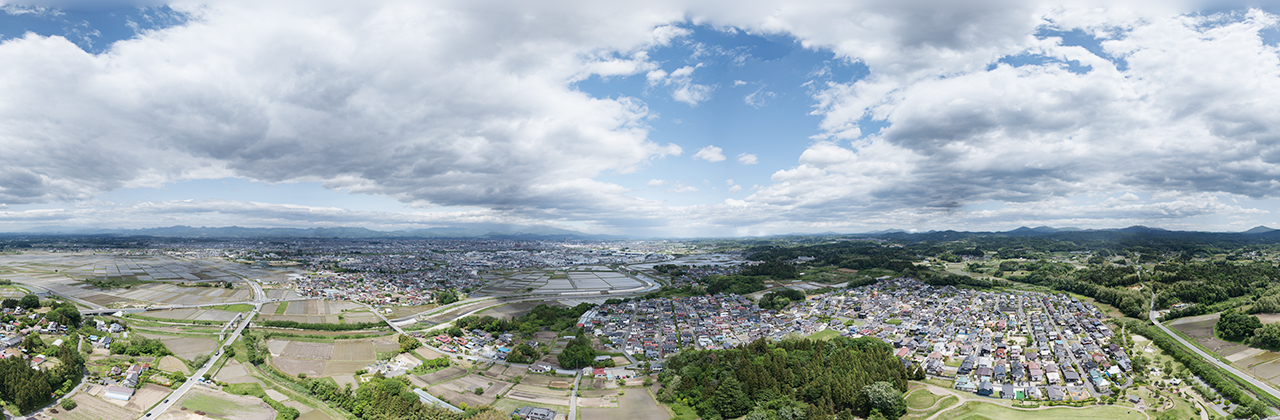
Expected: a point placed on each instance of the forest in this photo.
(816, 379)
(542, 316)
(29, 388)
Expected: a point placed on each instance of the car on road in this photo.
(166, 400)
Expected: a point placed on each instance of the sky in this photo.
(655, 119)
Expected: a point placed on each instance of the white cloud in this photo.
(710, 154)
(728, 182)
(452, 105)
(735, 188)
(656, 182)
(758, 98)
(681, 80)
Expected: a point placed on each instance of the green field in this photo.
(945, 403)
(284, 306)
(974, 410)
(239, 307)
(215, 407)
(824, 335)
(921, 399)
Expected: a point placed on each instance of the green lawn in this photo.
(945, 403)
(893, 321)
(974, 410)
(824, 335)
(921, 399)
(284, 306)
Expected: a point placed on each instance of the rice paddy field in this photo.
(142, 280)
(339, 357)
(317, 311)
(582, 279)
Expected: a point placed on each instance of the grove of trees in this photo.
(817, 379)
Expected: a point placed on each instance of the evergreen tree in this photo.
(730, 400)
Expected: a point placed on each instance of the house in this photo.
(534, 413)
(539, 368)
(985, 389)
(1006, 392)
(118, 393)
(1055, 393)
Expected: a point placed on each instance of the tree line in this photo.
(29, 388)
(817, 379)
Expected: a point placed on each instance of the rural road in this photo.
(259, 298)
(1265, 387)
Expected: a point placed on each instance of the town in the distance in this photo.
(1133, 323)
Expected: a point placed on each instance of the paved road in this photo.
(1265, 387)
(573, 398)
(195, 377)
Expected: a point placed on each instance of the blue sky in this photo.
(649, 120)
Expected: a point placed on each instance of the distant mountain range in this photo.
(478, 231)
(498, 231)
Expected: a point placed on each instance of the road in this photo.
(573, 398)
(259, 298)
(1265, 387)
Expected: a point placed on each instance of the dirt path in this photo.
(963, 399)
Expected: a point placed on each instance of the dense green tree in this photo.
(577, 354)
(885, 398)
(523, 353)
(29, 302)
(1266, 305)
(408, 343)
(1267, 337)
(1236, 326)
(730, 401)
(9, 303)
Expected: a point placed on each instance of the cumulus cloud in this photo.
(735, 188)
(1170, 122)
(710, 154)
(656, 182)
(681, 81)
(431, 104)
(454, 104)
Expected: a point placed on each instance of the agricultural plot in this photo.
(193, 314)
(443, 375)
(527, 393)
(89, 407)
(220, 405)
(12, 292)
(341, 357)
(64, 273)
(585, 279)
(147, 396)
(463, 390)
(636, 404)
(186, 348)
(1261, 363)
(314, 311)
